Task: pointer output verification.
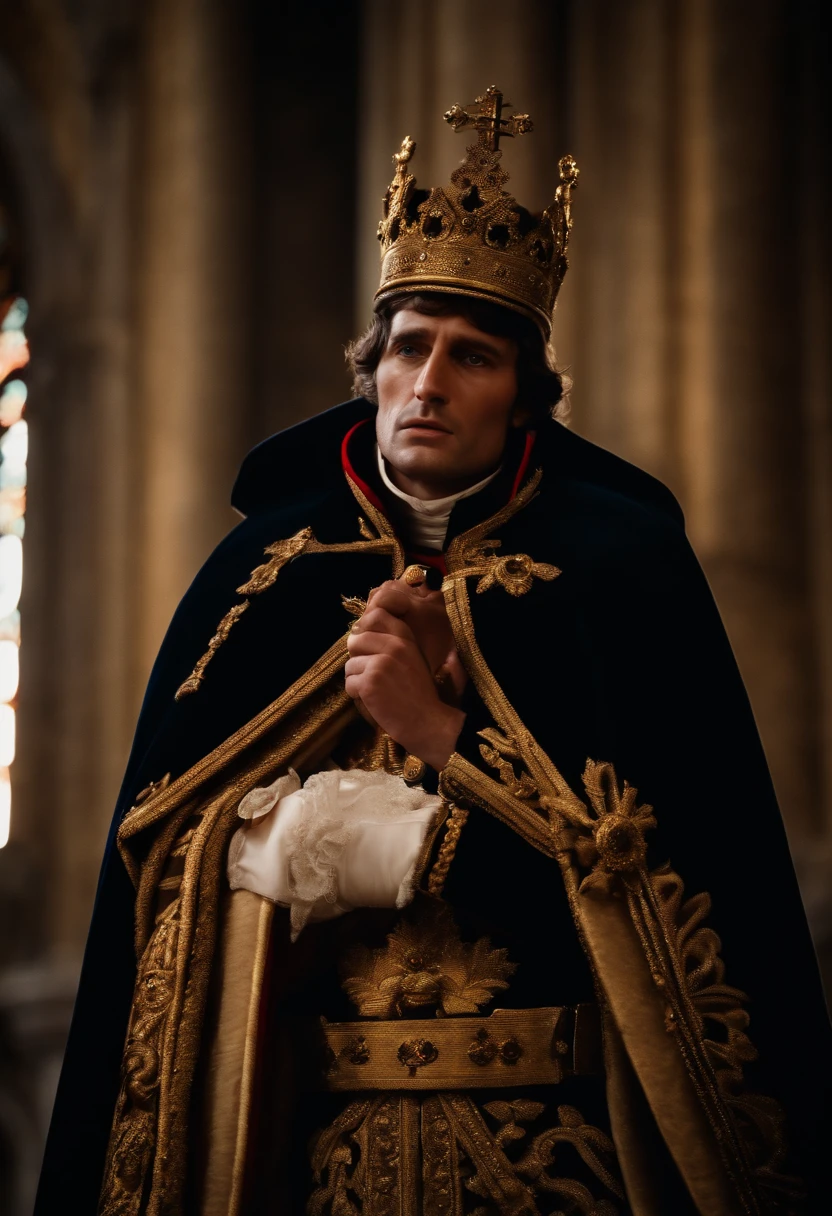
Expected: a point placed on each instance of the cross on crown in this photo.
(471, 236)
(485, 115)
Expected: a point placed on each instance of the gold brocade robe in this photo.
(183, 1128)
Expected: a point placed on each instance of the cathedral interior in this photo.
(189, 193)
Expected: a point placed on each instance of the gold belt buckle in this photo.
(511, 1047)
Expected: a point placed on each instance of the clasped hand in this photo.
(395, 649)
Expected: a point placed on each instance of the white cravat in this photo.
(428, 518)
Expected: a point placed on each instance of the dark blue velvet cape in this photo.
(622, 658)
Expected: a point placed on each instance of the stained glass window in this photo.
(14, 446)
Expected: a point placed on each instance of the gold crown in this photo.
(473, 237)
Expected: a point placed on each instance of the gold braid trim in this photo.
(381, 524)
(453, 830)
(170, 795)
(601, 848)
(179, 882)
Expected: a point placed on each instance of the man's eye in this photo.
(407, 350)
(475, 360)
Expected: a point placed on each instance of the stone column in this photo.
(191, 293)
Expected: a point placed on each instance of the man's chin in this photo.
(424, 461)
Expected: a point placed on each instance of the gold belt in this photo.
(511, 1047)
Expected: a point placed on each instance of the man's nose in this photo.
(431, 386)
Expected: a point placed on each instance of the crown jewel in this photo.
(472, 236)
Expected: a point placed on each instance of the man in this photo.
(413, 895)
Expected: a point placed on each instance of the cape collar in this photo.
(303, 462)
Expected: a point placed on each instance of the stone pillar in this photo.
(687, 274)
(191, 294)
(622, 132)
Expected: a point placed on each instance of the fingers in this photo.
(379, 620)
(352, 676)
(400, 649)
(406, 603)
(393, 596)
(364, 676)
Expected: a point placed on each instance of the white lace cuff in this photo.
(343, 840)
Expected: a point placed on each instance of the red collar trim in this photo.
(370, 493)
(531, 436)
(346, 464)
(437, 560)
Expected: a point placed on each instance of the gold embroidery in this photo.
(447, 850)
(462, 781)
(617, 829)
(382, 526)
(511, 1184)
(423, 964)
(321, 673)
(136, 1115)
(332, 1154)
(223, 630)
(263, 577)
(193, 819)
(606, 841)
(441, 1177)
(426, 851)
(515, 573)
(501, 753)
(354, 605)
(133, 1149)
(375, 1155)
(416, 1053)
(720, 1022)
(396, 1155)
(607, 844)
(371, 749)
(469, 541)
(369, 1156)
(683, 956)
(281, 552)
(592, 1145)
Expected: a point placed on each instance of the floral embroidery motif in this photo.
(424, 963)
(606, 838)
(515, 573)
(617, 844)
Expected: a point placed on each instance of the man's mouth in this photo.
(426, 424)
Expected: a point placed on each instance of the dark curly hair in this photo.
(541, 386)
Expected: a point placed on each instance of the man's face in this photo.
(445, 397)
